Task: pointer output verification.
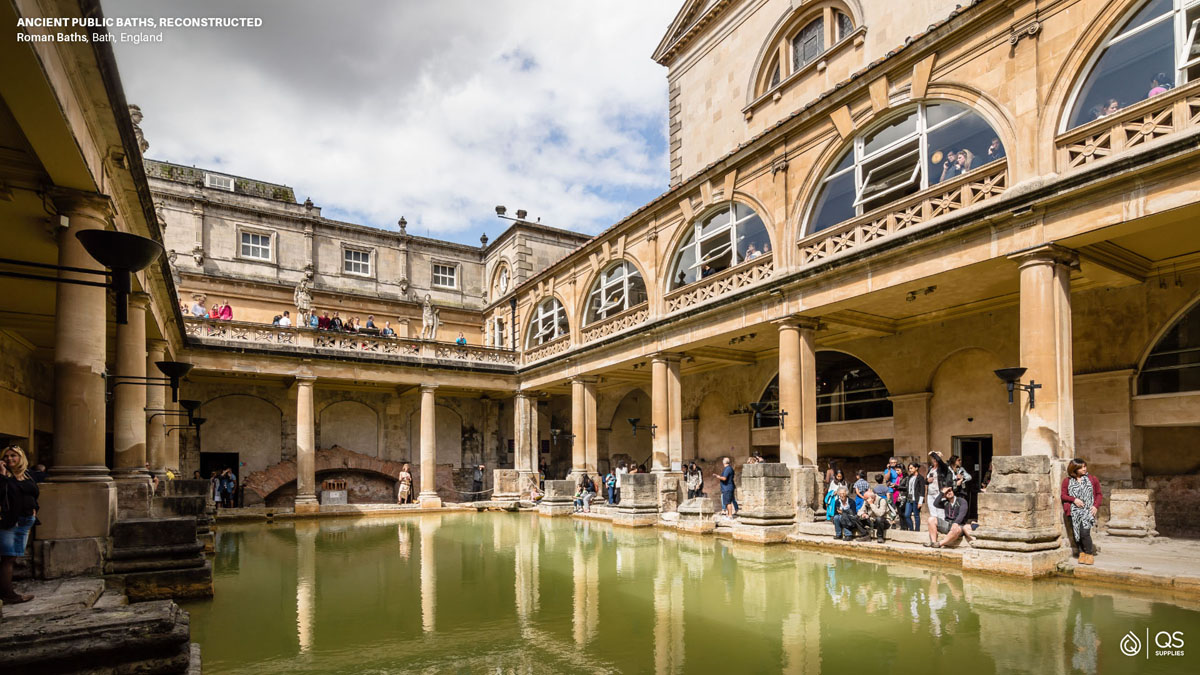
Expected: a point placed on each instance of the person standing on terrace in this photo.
(226, 311)
(1081, 499)
(728, 501)
(19, 500)
(198, 310)
(914, 492)
(323, 322)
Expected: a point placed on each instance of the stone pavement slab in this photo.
(56, 595)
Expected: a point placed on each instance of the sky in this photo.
(436, 111)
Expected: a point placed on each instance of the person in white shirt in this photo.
(622, 470)
(285, 320)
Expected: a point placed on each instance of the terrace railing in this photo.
(1140, 123)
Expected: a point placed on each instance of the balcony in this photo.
(1140, 123)
(745, 274)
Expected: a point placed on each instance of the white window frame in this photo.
(369, 262)
(1184, 34)
(434, 274)
(547, 323)
(612, 295)
(243, 233)
(218, 182)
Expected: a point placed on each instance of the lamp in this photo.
(174, 370)
(1011, 377)
(633, 422)
(189, 406)
(124, 254)
(194, 423)
(759, 409)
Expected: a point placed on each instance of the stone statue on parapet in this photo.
(303, 297)
(430, 319)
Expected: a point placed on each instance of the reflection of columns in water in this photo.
(429, 525)
(526, 572)
(306, 583)
(1035, 615)
(668, 614)
(802, 627)
(404, 539)
(587, 594)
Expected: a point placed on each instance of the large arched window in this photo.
(802, 41)
(847, 389)
(724, 238)
(1174, 363)
(924, 146)
(619, 288)
(1157, 49)
(549, 321)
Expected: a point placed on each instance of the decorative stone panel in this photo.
(627, 319)
(728, 281)
(543, 351)
(1138, 124)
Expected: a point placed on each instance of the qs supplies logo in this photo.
(1165, 643)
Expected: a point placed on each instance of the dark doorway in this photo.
(976, 453)
(219, 461)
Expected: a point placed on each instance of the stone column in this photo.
(129, 414)
(798, 392)
(172, 441)
(1048, 428)
(306, 447)
(674, 429)
(666, 416)
(429, 498)
(78, 506)
(525, 438)
(583, 426)
(156, 440)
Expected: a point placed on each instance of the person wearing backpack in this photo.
(610, 483)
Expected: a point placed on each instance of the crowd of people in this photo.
(220, 311)
(224, 488)
(1159, 84)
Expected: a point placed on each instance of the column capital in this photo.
(155, 343)
(585, 379)
(428, 388)
(139, 300)
(666, 357)
(68, 201)
(305, 380)
(799, 322)
(1047, 254)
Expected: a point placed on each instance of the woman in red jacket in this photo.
(1081, 498)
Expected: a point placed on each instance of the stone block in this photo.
(670, 491)
(76, 510)
(696, 515)
(1024, 520)
(70, 557)
(506, 485)
(808, 485)
(307, 508)
(1131, 513)
(177, 584)
(639, 501)
(1017, 483)
(1015, 563)
(765, 495)
(1029, 464)
(334, 498)
(185, 488)
(178, 505)
(1014, 503)
(760, 534)
(134, 495)
(559, 499)
(153, 532)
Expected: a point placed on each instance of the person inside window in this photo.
(752, 252)
(951, 166)
(995, 150)
(1160, 84)
(966, 160)
(1105, 109)
(461, 340)
(285, 321)
(706, 271)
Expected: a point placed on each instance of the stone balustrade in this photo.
(749, 273)
(242, 334)
(1136, 125)
(869, 229)
(548, 349)
(615, 324)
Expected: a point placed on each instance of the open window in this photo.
(921, 147)
(549, 322)
(847, 389)
(618, 288)
(1154, 50)
(724, 238)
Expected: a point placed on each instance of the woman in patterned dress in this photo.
(1081, 498)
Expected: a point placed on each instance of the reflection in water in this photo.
(515, 593)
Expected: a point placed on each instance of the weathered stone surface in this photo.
(150, 637)
(133, 497)
(153, 532)
(765, 495)
(1031, 519)
(70, 557)
(1016, 563)
(696, 515)
(639, 501)
(1016, 503)
(184, 487)
(808, 485)
(559, 499)
(507, 484)
(178, 584)
(334, 497)
(1022, 464)
(1020, 483)
(670, 491)
(1131, 513)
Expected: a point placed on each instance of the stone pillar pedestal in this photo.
(1020, 520)
(1131, 513)
(639, 501)
(526, 480)
(671, 490)
(559, 499)
(768, 504)
(506, 484)
(807, 485)
(696, 515)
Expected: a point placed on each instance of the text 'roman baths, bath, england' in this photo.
(410, 337)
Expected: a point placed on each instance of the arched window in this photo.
(930, 143)
(847, 389)
(801, 41)
(549, 321)
(726, 237)
(501, 280)
(808, 44)
(619, 288)
(1157, 49)
(1174, 363)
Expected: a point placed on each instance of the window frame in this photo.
(781, 47)
(433, 274)
(347, 249)
(550, 312)
(697, 239)
(604, 289)
(243, 232)
(1181, 32)
(216, 181)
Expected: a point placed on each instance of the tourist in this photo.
(226, 311)
(1081, 499)
(951, 523)
(995, 150)
(351, 326)
(861, 488)
(610, 486)
(371, 321)
(951, 166)
(196, 476)
(285, 321)
(694, 481)
(881, 489)
(845, 520)
(829, 472)
(314, 321)
(706, 271)
(728, 501)
(214, 483)
(38, 472)
(153, 480)
(939, 476)
(336, 322)
(228, 487)
(215, 312)
(622, 470)
(914, 497)
(477, 483)
(323, 322)
(198, 310)
(19, 500)
(752, 252)
(875, 514)
(1107, 108)
(961, 477)
(387, 330)
(1160, 84)
(461, 340)
(275, 319)
(966, 161)
(584, 494)
(893, 472)
(404, 485)
(837, 480)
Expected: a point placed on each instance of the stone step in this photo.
(153, 532)
(825, 528)
(179, 506)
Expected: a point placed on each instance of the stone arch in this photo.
(581, 301)
(246, 424)
(350, 424)
(788, 19)
(262, 485)
(493, 276)
(621, 439)
(968, 400)
(1192, 305)
(448, 430)
(568, 310)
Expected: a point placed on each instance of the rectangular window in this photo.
(256, 246)
(356, 262)
(212, 180)
(445, 276)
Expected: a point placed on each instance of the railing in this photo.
(548, 349)
(1140, 123)
(208, 331)
(745, 274)
(970, 188)
(616, 323)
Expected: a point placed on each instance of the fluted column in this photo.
(306, 447)
(1047, 428)
(80, 501)
(429, 497)
(798, 392)
(156, 441)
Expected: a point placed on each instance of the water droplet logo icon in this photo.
(1131, 645)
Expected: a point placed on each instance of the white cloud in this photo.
(432, 110)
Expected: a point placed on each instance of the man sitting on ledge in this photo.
(874, 514)
(952, 525)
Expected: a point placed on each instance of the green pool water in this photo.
(512, 593)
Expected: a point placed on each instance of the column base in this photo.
(135, 493)
(429, 500)
(307, 504)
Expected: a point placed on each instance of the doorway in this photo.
(976, 453)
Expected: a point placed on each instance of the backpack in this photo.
(610, 480)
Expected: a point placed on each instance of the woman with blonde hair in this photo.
(18, 513)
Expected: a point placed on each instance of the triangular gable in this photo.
(691, 10)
